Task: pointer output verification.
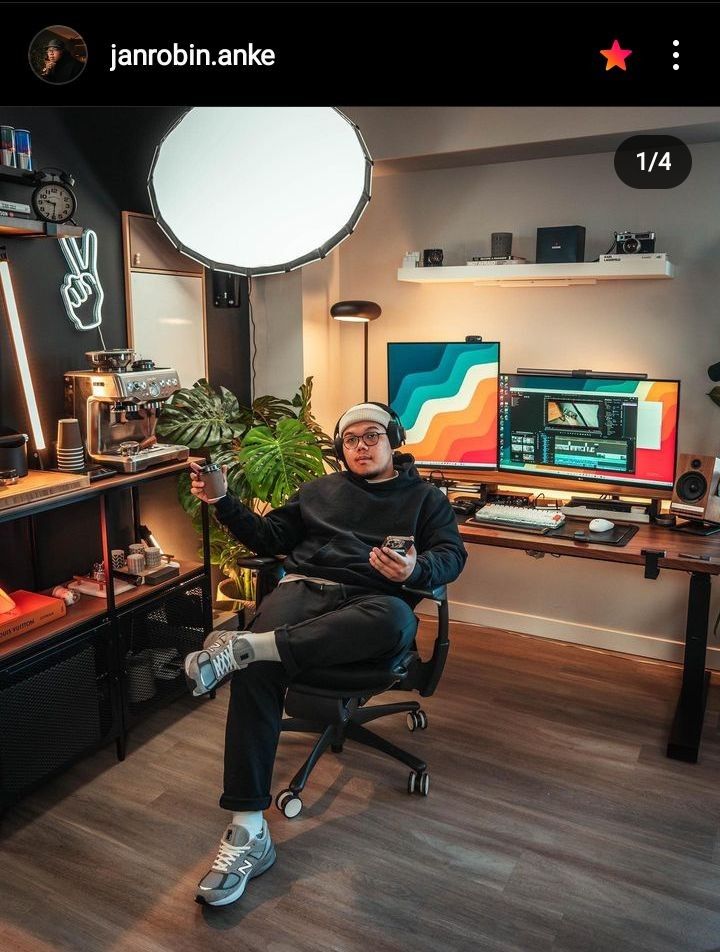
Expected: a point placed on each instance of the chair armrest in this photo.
(258, 562)
(438, 594)
(269, 572)
(424, 676)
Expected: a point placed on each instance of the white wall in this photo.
(664, 328)
(277, 311)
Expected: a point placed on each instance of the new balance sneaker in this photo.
(239, 859)
(228, 652)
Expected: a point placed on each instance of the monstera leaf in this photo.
(202, 417)
(302, 402)
(277, 462)
(268, 411)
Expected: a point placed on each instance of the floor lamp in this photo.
(358, 312)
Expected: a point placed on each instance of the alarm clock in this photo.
(52, 199)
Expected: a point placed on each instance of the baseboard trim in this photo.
(611, 639)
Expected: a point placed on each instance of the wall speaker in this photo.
(695, 494)
(226, 289)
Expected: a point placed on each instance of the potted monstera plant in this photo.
(270, 448)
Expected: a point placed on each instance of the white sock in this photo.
(263, 644)
(252, 820)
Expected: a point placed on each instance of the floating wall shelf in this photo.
(32, 228)
(620, 268)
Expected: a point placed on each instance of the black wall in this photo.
(108, 151)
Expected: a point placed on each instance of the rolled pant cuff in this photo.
(238, 804)
(283, 646)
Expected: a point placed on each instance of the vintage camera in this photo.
(634, 242)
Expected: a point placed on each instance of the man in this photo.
(342, 600)
(60, 65)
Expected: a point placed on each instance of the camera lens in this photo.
(631, 245)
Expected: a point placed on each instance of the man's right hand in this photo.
(197, 485)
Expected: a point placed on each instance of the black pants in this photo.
(316, 626)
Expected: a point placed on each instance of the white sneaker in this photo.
(240, 859)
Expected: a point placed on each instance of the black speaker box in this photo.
(226, 289)
(695, 494)
(560, 245)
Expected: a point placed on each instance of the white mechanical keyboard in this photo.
(520, 518)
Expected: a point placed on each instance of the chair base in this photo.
(350, 727)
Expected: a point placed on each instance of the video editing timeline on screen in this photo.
(561, 429)
(596, 428)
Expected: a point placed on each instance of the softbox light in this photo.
(260, 190)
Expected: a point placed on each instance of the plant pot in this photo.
(229, 599)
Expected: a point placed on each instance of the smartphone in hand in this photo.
(399, 544)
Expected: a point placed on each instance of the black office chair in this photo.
(332, 701)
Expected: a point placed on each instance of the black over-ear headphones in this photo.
(395, 431)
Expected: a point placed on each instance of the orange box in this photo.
(31, 611)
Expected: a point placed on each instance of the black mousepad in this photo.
(620, 534)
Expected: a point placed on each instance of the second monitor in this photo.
(598, 429)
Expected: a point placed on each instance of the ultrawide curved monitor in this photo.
(597, 429)
(446, 395)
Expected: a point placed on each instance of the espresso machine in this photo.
(117, 404)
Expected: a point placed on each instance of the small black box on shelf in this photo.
(560, 245)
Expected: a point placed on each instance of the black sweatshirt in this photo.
(329, 526)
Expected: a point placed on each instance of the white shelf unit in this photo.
(619, 268)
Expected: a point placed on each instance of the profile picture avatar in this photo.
(57, 54)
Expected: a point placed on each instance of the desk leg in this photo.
(687, 726)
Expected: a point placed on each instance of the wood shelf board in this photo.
(38, 485)
(122, 480)
(30, 228)
(187, 570)
(9, 173)
(87, 609)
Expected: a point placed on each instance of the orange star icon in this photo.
(615, 56)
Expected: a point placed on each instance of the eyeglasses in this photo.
(369, 439)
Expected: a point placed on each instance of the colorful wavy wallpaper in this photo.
(447, 398)
(653, 467)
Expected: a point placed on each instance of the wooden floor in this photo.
(554, 822)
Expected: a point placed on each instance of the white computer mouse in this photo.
(601, 525)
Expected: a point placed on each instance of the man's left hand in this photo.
(396, 567)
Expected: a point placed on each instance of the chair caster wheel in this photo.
(288, 803)
(417, 720)
(336, 748)
(419, 782)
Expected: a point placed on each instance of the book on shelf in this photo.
(6, 206)
(501, 259)
(31, 611)
(10, 213)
